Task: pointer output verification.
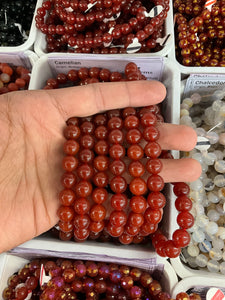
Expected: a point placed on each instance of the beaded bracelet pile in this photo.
(101, 26)
(200, 32)
(112, 187)
(13, 78)
(76, 279)
(205, 113)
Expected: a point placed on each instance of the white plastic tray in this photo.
(10, 263)
(171, 78)
(29, 43)
(201, 282)
(40, 42)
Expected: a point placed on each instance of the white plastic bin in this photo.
(40, 42)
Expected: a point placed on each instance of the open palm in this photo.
(31, 142)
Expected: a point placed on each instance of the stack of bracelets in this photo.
(111, 185)
(13, 78)
(76, 279)
(109, 26)
(200, 33)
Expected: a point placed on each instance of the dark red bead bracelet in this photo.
(108, 26)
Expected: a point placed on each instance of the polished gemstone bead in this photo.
(151, 134)
(119, 201)
(118, 184)
(101, 162)
(101, 132)
(125, 239)
(117, 151)
(118, 218)
(99, 195)
(65, 226)
(101, 147)
(131, 121)
(156, 200)
(69, 163)
(154, 288)
(83, 188)
(71, 147)
(154, 165)
(86, 156)
(133, 136)
(67, 197)
(185, 220)
(117, 167)
(135, 152)
(81, 234)
(85, 172)
(181, 188)
(138, 204)
(81, 221)
(152, 149)
(116, 136)
(183, 203)
(65, 213)
(72, 132)
(138, 186)
(153, 216)
(135, 219)
(97, 212)
(68, 180)
(81, 206)
(155, 183)
(115, 123)
(100, 179)
(87, 141)
(181, 238)
(148, 119)
(87, 128)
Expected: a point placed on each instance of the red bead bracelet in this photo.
(109, 26)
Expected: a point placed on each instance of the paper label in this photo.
(215, 294)
(113, 18)
(162, 41)
(154, 12)
(16, 59)
(135, 46)
(151, 67)
(209, 4)
(203, 143)
(43, 277)
(203, 83)
(89, 6)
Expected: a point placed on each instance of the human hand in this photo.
(31, 142)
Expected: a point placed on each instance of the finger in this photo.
(90, 99)
(176, 137)
(177, 170)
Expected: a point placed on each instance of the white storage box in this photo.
(40, 42)
(43, 70)
(29, 43)
(10, 263)
(199, 284)
(26, 58)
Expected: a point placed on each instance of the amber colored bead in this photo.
(181, 188)
(87, 141)
(118, 218)
(65, 226)
(71, 147)
(114, 231)
(183, 203)
(81, 206)
(135, 152)
(181, 238)
(156, 200)
(154, 288)
(97, 227)
(72, 132)
(101, 132)
(101, 162)
(68, 275)
(152, 149)
(136, 169)
(195, 296)
(67, 197)
(118, 184)
(116, 136)
(128, 111)
(135, 273)
(133, 136)
(99, 195)
(155, 183)
(100, 179)
(135, 219)
(153, 216)
(154, 166)
(100, 119)
(85, 172)
(115, 123)
(65, 213)
(119, 201)
(151, 134)
(132, 230)
(182, 296)
(138, 204)
(185, 220)
(101, 147)
(117, 167)
(148, 228)
(138, 186)
(146, 279)
(87, 128)
(131, 122)
(117, 151)
(97, 213)
(81, 221)
(68, 180)
(73, 121)
(125, 239)
(69, 163)
(83, 188)
(81, 234)
(148, 119)
(126, 282)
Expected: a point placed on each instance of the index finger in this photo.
(90, 99)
